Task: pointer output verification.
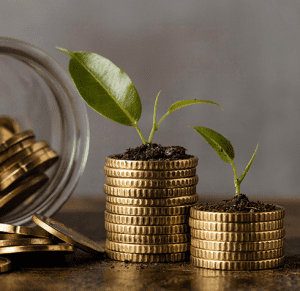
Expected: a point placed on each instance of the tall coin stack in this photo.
(147, 209)
(237, 241)
(22, 164)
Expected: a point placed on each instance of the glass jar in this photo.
(39, 94)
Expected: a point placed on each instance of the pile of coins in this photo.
(237, 241)
(23, 162)
(147, 209)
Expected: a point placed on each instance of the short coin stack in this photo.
(22, 164)
(147, 209)
(237, 241)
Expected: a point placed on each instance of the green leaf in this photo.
(218, 142)
(105, 87)
(183, 103)
(248, 166)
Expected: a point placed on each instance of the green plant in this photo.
(225, 150)
(108, 90)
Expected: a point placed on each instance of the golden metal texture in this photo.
(148, 239)
(5, 265)
(237, 256)
(66, 234)
(12, 236)
(148, 230)
(145, 220)
(147, 183)
(149, 193)
(149, 165)
(135, 174)
(148, 211)
(146, 258)
(237, 217)
(26, 241)
(17, 138)
(10, 124)
(238, 246)
(5, 134)
(37, 248)
(153, 202)
(236, 265)
(13, 150)
(30, 231)
(246, 226)
(237, 236)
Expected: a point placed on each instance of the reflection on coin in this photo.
(39, 161)
(148, 239)
(5, 134)
(26, 241)
(5, 265)
(151, 183)
(16, 139)
(236, 265)
(237, 256)
(152, 165)
(238, 246)
(148, 230)
(13, 150)
(149, 193)
(238, 236)
(132, 210)
(238, 217)
(9, 236)
(135, 174)
(145, 220)
(10, 124)
(64, 249)
(247, 226)
(23, 190)
(147, 249)
(146, 258)
(153, 202)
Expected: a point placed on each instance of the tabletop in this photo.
(83, 271)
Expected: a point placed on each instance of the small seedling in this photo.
(225, 150)
(109, 91)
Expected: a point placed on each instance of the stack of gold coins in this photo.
(237, 241)
(23, 162)
(147, 209)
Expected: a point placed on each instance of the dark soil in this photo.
(238, 203)
(153, 152)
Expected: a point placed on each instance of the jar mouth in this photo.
(40, 95)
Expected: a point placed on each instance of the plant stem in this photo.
(154, 126)
(236, 181)
(140, 133)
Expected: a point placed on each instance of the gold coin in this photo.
(149, 193)
(145, 220)
(23, 190)
(11, 236)
(148, 211)
(238, 217)
(16, 139)
(238, 246)
(148, 230)
(147, 183)
(146, 258)
(13, 150)
(247, 226)
(5, 265)
(237, 236)
(38, 248)
(30, 231)
(23, 154)
(237, 256)
(147, 249)
(26, 241)
(135, 174)
(37, 162)
(148, 239)
(5, 134)
(236, 265)
(153, 202)
(10, 124)
(152, 165)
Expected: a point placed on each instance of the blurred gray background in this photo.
(244, 55)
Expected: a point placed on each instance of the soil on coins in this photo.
(153, 152)
(238, 203)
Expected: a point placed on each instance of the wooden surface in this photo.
(82, 271)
